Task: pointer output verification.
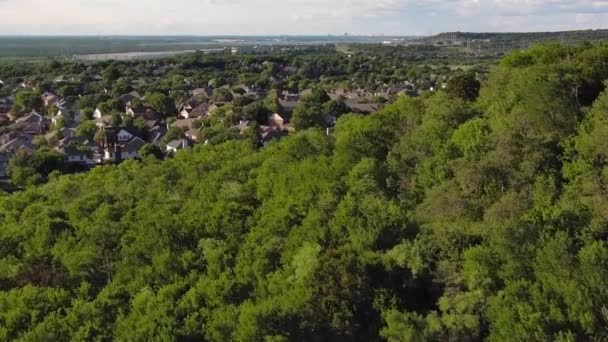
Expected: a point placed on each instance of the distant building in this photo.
(240, 50)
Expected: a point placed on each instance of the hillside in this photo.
(582, 35)
(459, 215)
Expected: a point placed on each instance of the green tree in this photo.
(465, 86)
(87, 129)
(150, 150)
(33, 168)
(308, 115)
(26, 101)
(161, 103)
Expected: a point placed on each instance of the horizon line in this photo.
(344, 35)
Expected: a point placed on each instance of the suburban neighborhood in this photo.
(102, 116)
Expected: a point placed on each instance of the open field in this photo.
(123, 56)
(55, 47)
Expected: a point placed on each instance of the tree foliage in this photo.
(437, 219)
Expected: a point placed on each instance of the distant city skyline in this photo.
(296, 17)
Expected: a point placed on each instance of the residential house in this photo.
(28, 84)
(396, 90)
(136, 94)
(361, 108)
(184, 123)
(63, 133)
(192, 135)
(78, 154)
(98, 114)
(242, 126)
(268, 133)
(32, 123)
(148, 124)
(23, 142)
(176, 145)
(67, 110)
(5, 138)
(144, 113)
(124, 135)
(156, 134)
(129, 150)
(201, 111)
(49, 99)
(59, 117)
(73, 140)
(277, 121)
(288, 106)
(202, 92)
(126, 99)
(187, 107)
(103, 121)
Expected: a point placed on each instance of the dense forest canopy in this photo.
(445, 217)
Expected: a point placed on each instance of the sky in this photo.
(295, 17)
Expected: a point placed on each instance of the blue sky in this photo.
(260, 17)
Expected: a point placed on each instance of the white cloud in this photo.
(207, 17)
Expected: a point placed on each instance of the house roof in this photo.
(156, 133)
(201, 92)
(72, 141)
(65, 133)
(66, 103)
(183, 123)
(288, 106)
(72, 150)
(105, 120)
(268, 133)
(48, 96)
(151, 123)
(129, 129)
(176, 144)
(134, 145)
(192, 133)
(136, 94)
(276, 116)
(145, 113)
(20, 143)
(30, 122)
(31, 118)
(202, 110)
(242, 126)
(126, 98)
(362, 107)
